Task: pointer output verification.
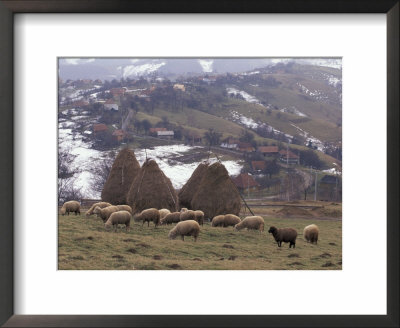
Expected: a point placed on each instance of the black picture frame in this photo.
(10, 7)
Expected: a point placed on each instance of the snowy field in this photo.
(77, 143)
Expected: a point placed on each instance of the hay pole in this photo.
(241, 196)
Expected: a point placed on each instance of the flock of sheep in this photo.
(187, 221)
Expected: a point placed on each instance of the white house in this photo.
(110, 104)
(165, 134)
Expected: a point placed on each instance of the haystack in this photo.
(152, 188)
(216, 194)
(189, 189)
(123, 172)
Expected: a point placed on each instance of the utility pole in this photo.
(315, 191)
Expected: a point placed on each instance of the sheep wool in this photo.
(119, 217)
(188, 215)
(71, 206)
(311, 233)
(124, 208)
(185, 228)
(218, 221)
(150, 214)
(164, 212)
(251, 223)
(104, 213)
(199, 216)
(230, 220)
(286, 235)
(99, 204)
(170, 218)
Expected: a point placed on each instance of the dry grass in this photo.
(83, 244)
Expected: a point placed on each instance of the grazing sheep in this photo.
(310, 233)
(170, 218)
(99, 204)
(119, 217)
(286, 235)
(164, 212)
(71, 206)
(124, 208)
(188, 215)
(199, 216)
(251, 223)
(218, 221)
(104, 213)
(150, 214)
(231, 220)
(185, 228)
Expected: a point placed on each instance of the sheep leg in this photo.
(148, 223)
(183, 237)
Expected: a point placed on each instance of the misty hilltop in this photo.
(117, 68)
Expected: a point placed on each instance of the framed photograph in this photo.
(217, 153)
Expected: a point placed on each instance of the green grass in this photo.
(85, 245)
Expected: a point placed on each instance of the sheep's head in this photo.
(272, 230)
(184, 209)
(63, 210)
(97, 210)
(172, 234)
(107, 226)
(238, 227)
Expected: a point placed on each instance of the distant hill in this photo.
(116, 68)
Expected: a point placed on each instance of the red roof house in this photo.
(258, 165)
(117, 91)
(99, 128)
(268, 150)
(245, 181)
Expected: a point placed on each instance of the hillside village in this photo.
(281, 124)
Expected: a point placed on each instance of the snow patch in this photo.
(249, 98)
(206, 65)
(132, 70)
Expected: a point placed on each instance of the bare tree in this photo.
(66, 176)
(101, 172)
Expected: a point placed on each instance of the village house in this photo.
(118, 135)
(230, 143)
(110, 104)
(244, 181)
(179, 87)
(192, 137)
(165, 134)
(99, 128)
(245, 147)
(117, 91)
(80, 103)
(288, 157)
(258, 166)
(268, 150)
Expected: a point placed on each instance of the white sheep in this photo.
(251, 223)
(71, 206)
(185, 228)
(119, 217)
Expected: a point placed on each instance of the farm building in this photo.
(268, 150)
(258, 166)
(287, 156)
(155, 130)
(230, 143)
(98, 128)
(165, 134)
(245, 147)
(179, 87)
(80, 103)
(110, 104)
(245, 181)
(118, 135)
(117, 91)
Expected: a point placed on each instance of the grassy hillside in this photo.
(84, 245)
